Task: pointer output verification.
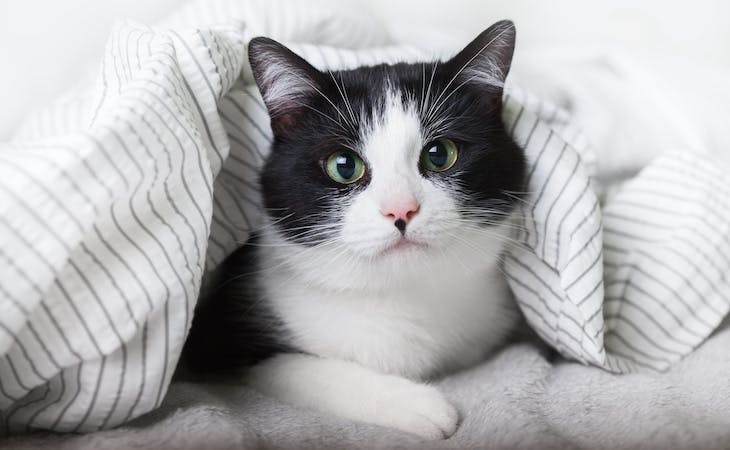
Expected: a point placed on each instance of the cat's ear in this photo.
(486, 60)
(287, 82)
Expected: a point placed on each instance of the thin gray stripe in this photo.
(687, 280)
(555, 201)
(586, 244)
(167, 349)
(212, 60)
(92, 403)
(516, 121)
(625, 300)
(249, 119)
(543, 186)
(71, 262)
(43, 306)
(72, 400)
(61, 393)
(242, 194)
(632, 325)
(609, 213)
(584, 220)
(134, 212)
(632, 359)
(224, 50)
(697, 232)
(239, 160)
(241, 179)
(41, 408)
(113, 251)
(154, 182)
(53, 270)
(535, 293)
(567, 214)
(61, 205)
(91, 335)
(15, 302)
(96, 296)
(143, 377)
(532, 171)
(226, 217)
(587, 269)
(122, 294)
(680, 300)
(183, 153)
(592, 291)
(95, 143)
(167, 188)
(194, 98)
(5, 393)
(252, 148)
(31, 363)
(534, 274)
(169, 261)
(532, 132)
(256, 99)
(118, 395)
(14, 370)
(27, 401)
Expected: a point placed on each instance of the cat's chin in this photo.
(402, 246)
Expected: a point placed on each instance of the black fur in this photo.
(233, 325)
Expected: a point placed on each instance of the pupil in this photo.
(438, 155)
(346, 166)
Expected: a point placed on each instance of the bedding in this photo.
(523, 398)
(117, 200)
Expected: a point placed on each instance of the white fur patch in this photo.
(286, 86)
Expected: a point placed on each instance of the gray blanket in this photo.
(521, 398)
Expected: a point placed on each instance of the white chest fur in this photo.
(415, 331)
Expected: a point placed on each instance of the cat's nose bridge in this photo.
(398, 197)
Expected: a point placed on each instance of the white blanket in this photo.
(115, 201)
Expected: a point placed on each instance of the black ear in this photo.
(287, 82)
(487, 59)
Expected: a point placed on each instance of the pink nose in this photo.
(401, 213)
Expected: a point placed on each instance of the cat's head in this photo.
(390, 169)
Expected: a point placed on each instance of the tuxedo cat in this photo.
(389, 192)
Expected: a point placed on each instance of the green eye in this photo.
(439, 155)
(345, 167)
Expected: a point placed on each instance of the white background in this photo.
(46, 45)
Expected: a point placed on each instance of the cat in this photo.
(390, 192)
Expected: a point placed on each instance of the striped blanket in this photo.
(117, 199)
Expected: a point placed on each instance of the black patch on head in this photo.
(460, 99)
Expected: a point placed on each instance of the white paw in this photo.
(416, 408)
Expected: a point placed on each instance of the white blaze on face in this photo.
(391, 147)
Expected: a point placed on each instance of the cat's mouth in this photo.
(403, 244)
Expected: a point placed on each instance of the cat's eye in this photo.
(345, 167)
(439, 155)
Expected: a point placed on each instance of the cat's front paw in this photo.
(416, 408)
